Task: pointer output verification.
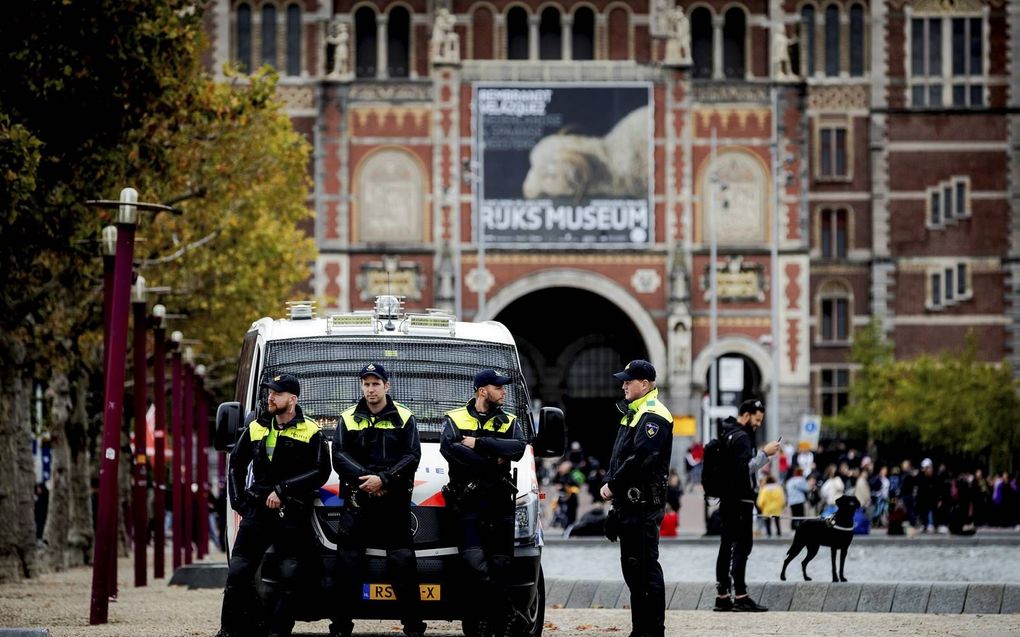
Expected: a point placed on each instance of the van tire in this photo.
(536, 613)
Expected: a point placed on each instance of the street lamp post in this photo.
(109, 243)
(139, 490)
(159, 440)
(120, 300)
(177, 434)
(188, 459)
(202, 422)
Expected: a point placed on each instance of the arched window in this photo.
(398, 37)
(517, 34)
(365, 42)
(701, 41)
(244, 37)
(734, 38)
(619, 36)
(807, 41)
(550, 35)
(856, 40)
(293, 39)
(834, 312)
(582, 46)
(832, 40)
(269, 35)
(482, 34)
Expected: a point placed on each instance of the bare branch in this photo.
(180, 252)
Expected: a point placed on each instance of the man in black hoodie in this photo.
(376, 452)
(277, 465)
(736, 509)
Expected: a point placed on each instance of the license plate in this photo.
(385, 592)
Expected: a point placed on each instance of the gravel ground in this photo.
(60, 602)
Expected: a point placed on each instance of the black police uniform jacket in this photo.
(300, 463)
(498, 436)
(643, 446)
(384, 444)
(746, 458)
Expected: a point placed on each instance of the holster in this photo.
(612, 525)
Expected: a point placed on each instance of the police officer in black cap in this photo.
(636, 485)
(376, 452)
(289, 462)
(479, 441)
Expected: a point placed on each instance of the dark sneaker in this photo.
(723, 604)
(747, 605)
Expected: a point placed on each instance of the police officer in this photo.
(288, 462)
(376, 452)
(636, 485)
(479, 441)
(736, 511)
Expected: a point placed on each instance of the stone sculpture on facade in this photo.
(678, 39)
(338, 37)
(445, 43)
(782, 69)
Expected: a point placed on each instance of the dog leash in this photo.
(805, 517)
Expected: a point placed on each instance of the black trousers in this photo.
(735, 543)
(291, 536)
(639, 560)
(486, 549)
(380, 522)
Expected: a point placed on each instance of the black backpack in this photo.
(718, 468)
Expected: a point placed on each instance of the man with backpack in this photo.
(737, 462)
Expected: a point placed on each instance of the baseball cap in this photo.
(375, 369)
(284, 382)
(490, 377)
(636, 370)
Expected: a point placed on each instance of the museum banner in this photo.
(564, 165)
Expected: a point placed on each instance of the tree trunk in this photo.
(58, 394)
(17, 471)
(81, 530)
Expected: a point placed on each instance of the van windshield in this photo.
(430, 376)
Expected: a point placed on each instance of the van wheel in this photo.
(535, 614)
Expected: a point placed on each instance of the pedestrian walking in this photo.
(479, 441)
(736, 509)
(771, 502)
(797, 490)
(376, 452)
(636, 485)
(288, 463)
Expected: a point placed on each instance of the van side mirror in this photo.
(550, 440)
(228, 422)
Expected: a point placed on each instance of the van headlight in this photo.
(526, 517)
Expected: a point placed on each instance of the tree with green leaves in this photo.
(949, 402)
(102, 95)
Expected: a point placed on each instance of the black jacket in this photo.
(641, 452)
(384, 444)
(483, 462)
(746, 457)
(298, 468)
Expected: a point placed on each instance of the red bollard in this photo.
(159, 438)
(177, 434)
(140, 486)
(202, 425)
(106, 527)
(189, 456)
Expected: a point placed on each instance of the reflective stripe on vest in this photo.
(302, 432)
(355, 422)
(464, 421)
(647, 403)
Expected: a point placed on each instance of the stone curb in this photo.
(862, 597)
(24, 632)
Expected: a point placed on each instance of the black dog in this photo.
(836, 532)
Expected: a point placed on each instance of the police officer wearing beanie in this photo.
(288, 462)
(376, 453)
(636, 485)
(479, 441)
(736, 508)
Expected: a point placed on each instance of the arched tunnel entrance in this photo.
(571, 341)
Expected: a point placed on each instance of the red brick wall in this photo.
(619, 34)
(483, 34)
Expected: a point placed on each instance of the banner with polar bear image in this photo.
(564, 165)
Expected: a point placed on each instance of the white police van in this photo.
(431, 359)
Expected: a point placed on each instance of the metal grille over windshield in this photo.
(431, 376)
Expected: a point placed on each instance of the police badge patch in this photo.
(651, 429)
